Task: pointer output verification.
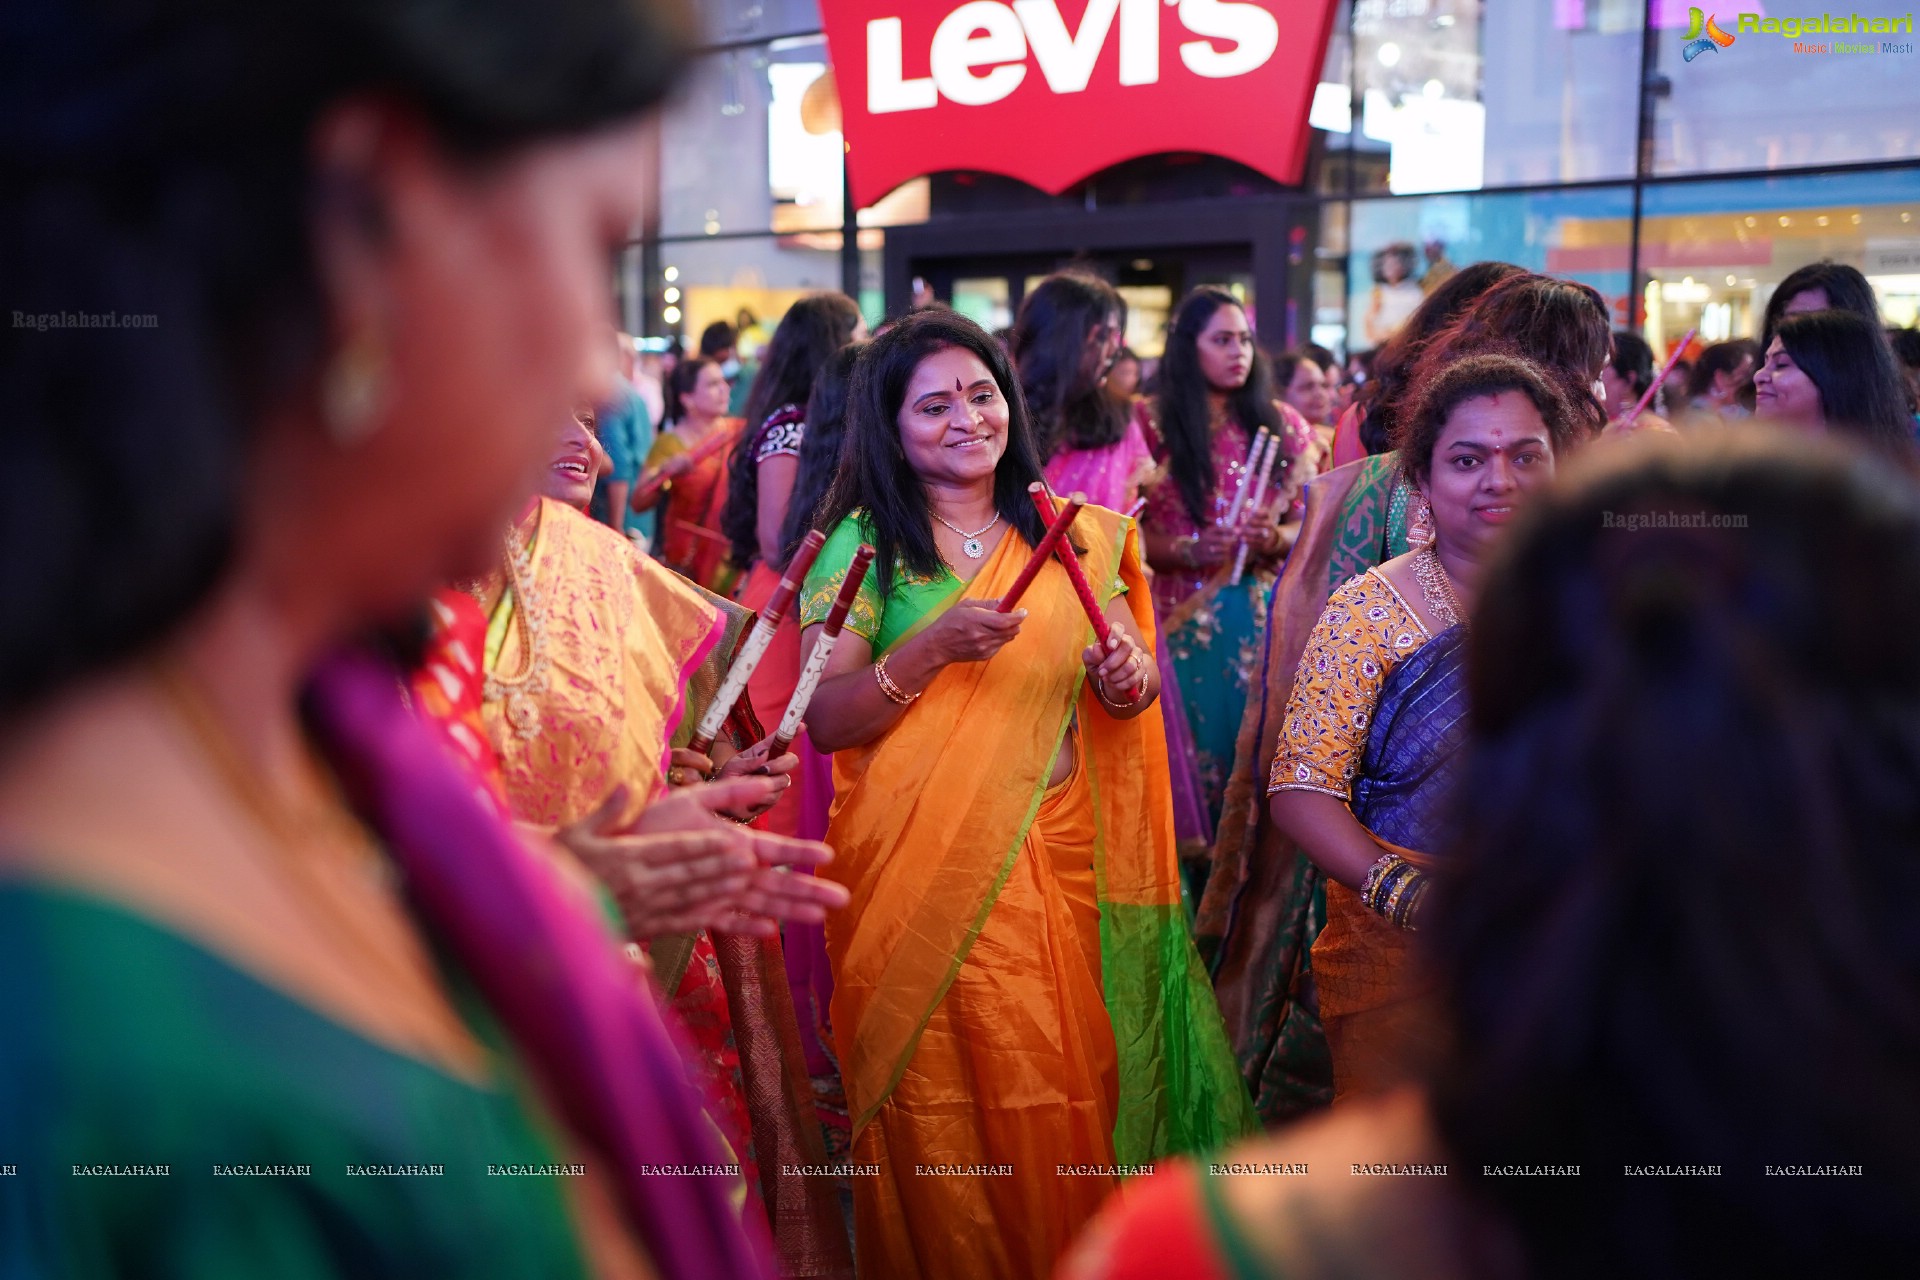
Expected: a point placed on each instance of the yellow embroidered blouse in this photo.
(1366, 631)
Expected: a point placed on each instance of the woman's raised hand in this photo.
(972, 631)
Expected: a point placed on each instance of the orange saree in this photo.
(1018, 1009)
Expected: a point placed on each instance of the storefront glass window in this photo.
(1713, 251)
(751, 142)
(748, 281)
(1459, 95)
(732, 21)
(1400, 249)
(1758, 104)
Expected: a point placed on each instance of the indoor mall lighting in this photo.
(670, 274)
(671, 315)
(671, 295)
(1389, 54)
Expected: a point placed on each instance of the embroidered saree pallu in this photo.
(615, 661)
(1017, 1003)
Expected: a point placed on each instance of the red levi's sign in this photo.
(1050, 91)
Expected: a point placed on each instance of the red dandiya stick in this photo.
(1102, 632)
(755, 648)
(1056, 529)
(822, 649)
(1647, 397)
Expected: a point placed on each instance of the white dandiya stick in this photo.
(822, 650)
(1246, 475)
(757, 643)
(1254, 502)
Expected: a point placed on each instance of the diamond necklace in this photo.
(971, 541)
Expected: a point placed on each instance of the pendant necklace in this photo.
(971, 541)
(1436, 586)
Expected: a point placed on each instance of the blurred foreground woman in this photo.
(276, 980)
(1674, 936)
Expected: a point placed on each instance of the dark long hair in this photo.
(874, 474)
(1392, 370)
(1186, 417)
(1845, 287)
(812, 330)
(1561, 325)
(1632, 359)
(1487, 373)
(820, 447)
(680, 384)
(1849, 360)
(158, 163)
(1721, 357)
(1049, 348)
(1690, 826)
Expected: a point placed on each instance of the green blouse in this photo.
(164, 1113)
(880, 622)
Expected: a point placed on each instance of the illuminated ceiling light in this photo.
(712, 228)
(1686, 279)
(670, 274)
(1389, 54)
(1752, 221)
(1906, 217)
(1785, 221)
(671, 315)
(1729, 282)
(1434, 89)
(1821, 221)
(1856, 219)
(673, 295)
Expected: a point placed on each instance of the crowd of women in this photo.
(1483, 783)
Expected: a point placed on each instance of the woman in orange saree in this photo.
(686, 475)
(1020, 1014)
(597, 662)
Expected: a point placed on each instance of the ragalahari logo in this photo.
(1703, 36)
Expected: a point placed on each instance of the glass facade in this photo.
(1568, 136)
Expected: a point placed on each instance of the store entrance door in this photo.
(983, 266)
(990, 288)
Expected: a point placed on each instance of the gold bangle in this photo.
(893, 691)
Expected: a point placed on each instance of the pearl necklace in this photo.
(971, 544)
(521, 693)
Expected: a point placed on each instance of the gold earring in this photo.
(1420, 533)
(353, 389)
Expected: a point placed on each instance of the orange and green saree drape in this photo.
(1017, 1002)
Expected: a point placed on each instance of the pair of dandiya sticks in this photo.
(1053, 545)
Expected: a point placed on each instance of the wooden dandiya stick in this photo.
(755, 648)
(1253, 502)
(1646, 397)
(1070, 560)
(822, 650)
(1056, 529)
(1133, 513)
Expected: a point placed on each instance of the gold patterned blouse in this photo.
(1366, 631)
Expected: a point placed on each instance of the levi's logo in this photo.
(1050, 91)
(979, 52)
